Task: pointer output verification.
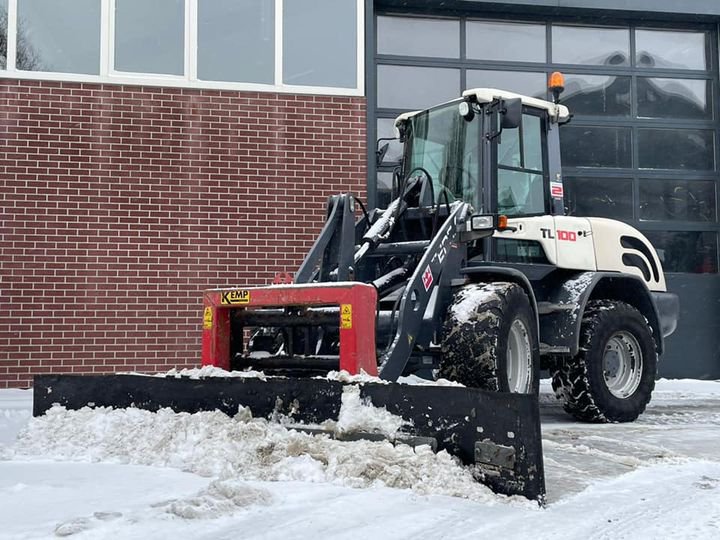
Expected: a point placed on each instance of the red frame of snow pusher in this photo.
(357, 303)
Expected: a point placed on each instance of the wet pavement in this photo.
(675, 428)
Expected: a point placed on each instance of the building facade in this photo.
(155, 149)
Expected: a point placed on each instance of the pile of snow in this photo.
(341, 376)
(220, 498)
(345, 377)
(14, 414)
(655, 478)
(214, 445)
(356, 416)
(211, 371)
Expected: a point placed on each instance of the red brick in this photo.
(121, 204)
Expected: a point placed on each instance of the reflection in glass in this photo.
(508, 151)
(408, 87)
(150, 36)
(694, 252)
(520, 193)
(62, 37)
(520, 185)
(320, 43)
(595, 146)
(672, 49)
(521, 148)
(677, 200)
(236, 41)
(532, 143)
(521, 82)
(386, 129)
(413, 36)
(674, 98)
(691, 149)
(591, 46)
(505, 41)
(599, 197)
(598, 95)
(3, 34)
(447, 147)
(384, 188)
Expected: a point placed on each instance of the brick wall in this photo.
(120, 204)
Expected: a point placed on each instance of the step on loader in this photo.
(472, 273)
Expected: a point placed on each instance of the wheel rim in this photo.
(519, 358)
(622, 364)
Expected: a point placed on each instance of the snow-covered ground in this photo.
(134, 474)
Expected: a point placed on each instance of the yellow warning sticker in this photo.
(230, 298)
(208, 318)
(346, 316)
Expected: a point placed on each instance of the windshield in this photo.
(448, 147)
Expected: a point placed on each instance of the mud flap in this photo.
(496, 434)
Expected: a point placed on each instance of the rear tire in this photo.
(490, 339)
(612, 377)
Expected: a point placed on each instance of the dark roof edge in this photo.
(657, 10)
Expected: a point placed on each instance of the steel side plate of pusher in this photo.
(496, 434)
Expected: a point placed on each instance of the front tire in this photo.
(612, 377)
(490, 339)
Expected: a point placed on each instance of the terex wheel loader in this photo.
(472, 273)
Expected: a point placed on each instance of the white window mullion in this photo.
(360, 44)
(191, 37)
(11, 35)
(104, 38)
(111, 37)
(278, 42)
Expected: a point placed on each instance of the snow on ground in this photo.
(134, 474)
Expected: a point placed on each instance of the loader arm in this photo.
(442, 259)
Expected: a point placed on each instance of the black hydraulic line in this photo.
(402, 248)
(364, 210)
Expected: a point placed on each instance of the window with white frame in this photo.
(62, 37)
(319, 40)
(236, 41)
(149, 36)
(310, 46)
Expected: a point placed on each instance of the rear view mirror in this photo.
(380, 153)
(511, 113)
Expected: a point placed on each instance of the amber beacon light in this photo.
(556, 84)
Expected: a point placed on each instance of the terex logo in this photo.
(568, 236)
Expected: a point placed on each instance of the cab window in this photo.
(521, 172)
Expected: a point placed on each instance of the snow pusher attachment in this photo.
(496, 434)
(346, 310)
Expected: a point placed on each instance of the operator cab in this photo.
(491, 148)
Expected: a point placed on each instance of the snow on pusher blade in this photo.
(497, 434)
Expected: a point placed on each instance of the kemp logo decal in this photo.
(427, 278)
(231, 298)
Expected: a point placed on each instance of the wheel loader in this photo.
(473, 274)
